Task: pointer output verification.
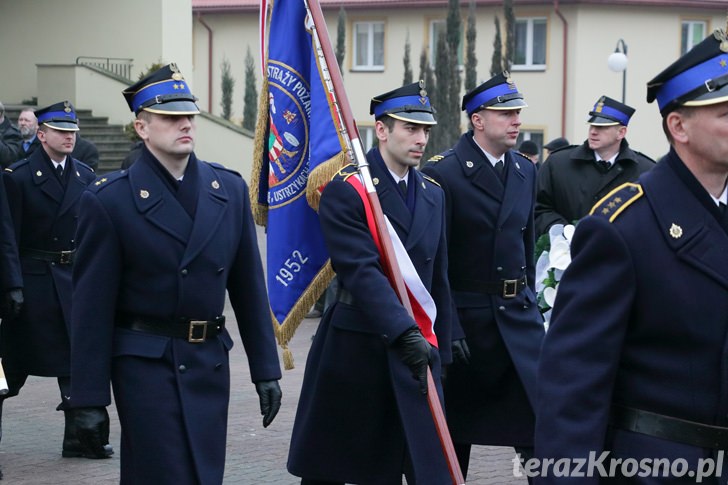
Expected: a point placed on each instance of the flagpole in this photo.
(390, 262)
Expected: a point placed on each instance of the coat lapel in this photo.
(424, 207)
(515, 182)
(157, 203)
(74, 188)
(211, 207)
(43, 178)
(392, 203)
(688, 227)
(472, 162)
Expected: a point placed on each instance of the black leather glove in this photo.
(12, 303)
(460, 352)
(269, 393)
(92, 426)
(414, 350)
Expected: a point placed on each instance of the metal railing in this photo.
(114, 65)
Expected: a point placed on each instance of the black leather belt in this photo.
(669, 428)
(194, 331)
(59, 257)
(504, 288)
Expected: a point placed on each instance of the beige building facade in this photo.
(562, 68)
(563, 72)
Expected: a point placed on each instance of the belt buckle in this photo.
(510, 288)
(191, 334)
(66, 257)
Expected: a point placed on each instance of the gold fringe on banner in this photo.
(321, 176)
(260, 211)
(284, 331)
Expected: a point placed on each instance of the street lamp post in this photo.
(617, 62)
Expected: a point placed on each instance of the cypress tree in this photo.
(496, 62)
(407, 64)
(227, 85)
(250, 105)
(341, 40)
(471, 74)
(454, 34)
(510, 19)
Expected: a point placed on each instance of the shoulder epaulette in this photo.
(81, 164)
(646, 156)
(16, 165)
(345, 172)
(223, 167)
(430, 179)
(616, 201)
(525, 157)
(106, 180)
(435, 158)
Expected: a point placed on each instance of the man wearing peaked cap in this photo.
(635, 357)
(497, 332)
(573, 179)
(367, 342)
(43, 192)
(159, 245)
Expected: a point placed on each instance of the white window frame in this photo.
(529, 65)
(691, 25)
(367, 135)
(369, 66)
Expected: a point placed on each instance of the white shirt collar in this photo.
(491, 158)
(722, 198)
(397, 178)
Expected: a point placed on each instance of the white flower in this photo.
(551, 264)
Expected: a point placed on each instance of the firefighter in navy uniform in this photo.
(43, 193)
(158, 247)
(636, 356)
(489, 196)
(362, 417)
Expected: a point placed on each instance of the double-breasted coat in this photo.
(570, 182)
(44, 211)
(142, 253)
(360, 409)
(640, 320)
(490, 238)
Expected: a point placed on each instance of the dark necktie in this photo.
(402, 187)
(499, 168)
(604, 164)
(59, 171)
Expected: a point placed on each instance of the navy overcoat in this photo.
(360, 408)
(141, 253)
(491, 238)
(640, 320)
(44, 211)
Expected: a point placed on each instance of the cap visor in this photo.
(602, 121)
(717, 96)
(516, 103)
(62, 125)
(419, 117)
(174, 108)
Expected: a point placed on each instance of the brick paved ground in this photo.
(30, 452)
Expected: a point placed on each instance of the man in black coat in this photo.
(489, 196)
(10, 140)
(574, 178)
(43, 193)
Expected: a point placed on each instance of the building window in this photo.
(368, 46)
(367, 137)
(530, 44)
(438, 28)
(693, 32)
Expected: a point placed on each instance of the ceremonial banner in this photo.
(298, 148)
